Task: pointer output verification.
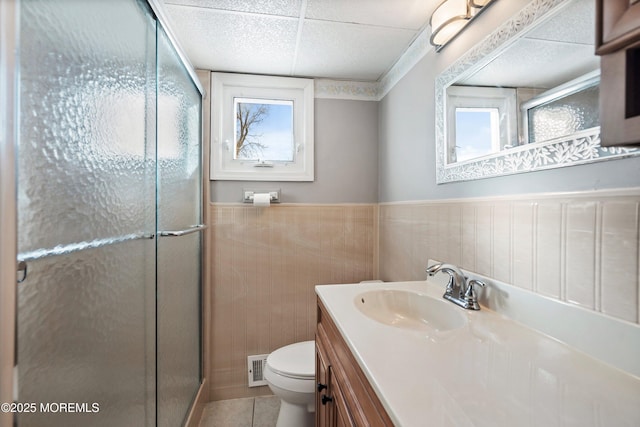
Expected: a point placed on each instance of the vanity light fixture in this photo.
(451, 16)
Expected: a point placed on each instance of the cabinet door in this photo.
(619, 100)
(342, 416)
(323, 411)
(618, 42)
(616, 25)
(331, 408)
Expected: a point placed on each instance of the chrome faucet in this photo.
(459, 291)
(456, 277)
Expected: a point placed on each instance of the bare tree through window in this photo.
(248, 116)
(264, 129)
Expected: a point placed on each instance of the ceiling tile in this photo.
(410, 14)
(224, 41)
(574, 24)
(269, 7)
(349, 51)
(512, 68)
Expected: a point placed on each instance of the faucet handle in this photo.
(470, 294)
(477, 282)
(450, 285)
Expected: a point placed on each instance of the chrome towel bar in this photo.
(80, 246)
(194, 229)
(25, 257)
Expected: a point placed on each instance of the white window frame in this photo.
(225, 88)
(475, 97)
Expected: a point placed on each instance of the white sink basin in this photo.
(410, 310)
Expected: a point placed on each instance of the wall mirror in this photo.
(525, 98)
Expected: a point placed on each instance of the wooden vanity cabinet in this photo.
(618, 44)
(344, 396)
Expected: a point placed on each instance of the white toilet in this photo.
(290, 374)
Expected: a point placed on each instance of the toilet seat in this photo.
(290, 374)
(295, 361)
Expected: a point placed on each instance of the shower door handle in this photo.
(194, 229)
(21, 267)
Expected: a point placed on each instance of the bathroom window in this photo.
(480, 121)
(477, 132)
(262, 128)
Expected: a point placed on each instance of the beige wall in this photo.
(266, 262)
(581, 248)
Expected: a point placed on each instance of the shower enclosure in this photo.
(102, 152)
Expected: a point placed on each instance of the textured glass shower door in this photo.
(179, 242)
(86, 208)
(109, 157)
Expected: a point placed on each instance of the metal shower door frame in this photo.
(9, 116)
(8, 210)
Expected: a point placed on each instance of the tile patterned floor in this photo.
(249, 412)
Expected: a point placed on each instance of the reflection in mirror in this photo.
(562, 111)
(477, 133)
(525, 98)
(481, 120)
(541, 61)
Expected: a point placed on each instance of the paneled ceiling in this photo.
(336, 39)
(566, 40)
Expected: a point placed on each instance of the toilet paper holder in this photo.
(247, 195)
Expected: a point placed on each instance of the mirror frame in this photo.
(579, 148)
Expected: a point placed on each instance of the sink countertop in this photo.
(491, 372)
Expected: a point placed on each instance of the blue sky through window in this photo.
(270, 136)
(476, 132)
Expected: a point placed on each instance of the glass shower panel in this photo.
(179, 263)
(86, 345)
(86, 201)
(86, 67)
(178, 327)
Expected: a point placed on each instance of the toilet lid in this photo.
(295, 360)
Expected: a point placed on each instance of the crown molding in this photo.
(375, 91)
(414, 53)
(344, 89)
